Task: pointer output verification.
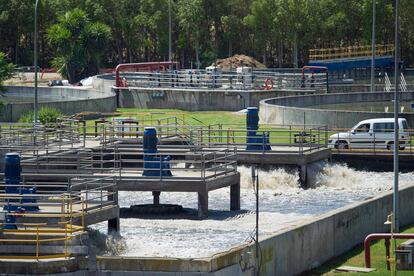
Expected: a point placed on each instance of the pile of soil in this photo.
(238, 61)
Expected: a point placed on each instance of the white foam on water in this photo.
(283, 204)
(276, 179)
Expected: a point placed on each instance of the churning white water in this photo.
(283, 203)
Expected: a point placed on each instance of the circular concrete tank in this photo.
(302, 109)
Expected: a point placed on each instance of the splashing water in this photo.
(283, 204)
(276, 179)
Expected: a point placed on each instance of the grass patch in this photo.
(189, 117)
(355, 257)
(229, 121)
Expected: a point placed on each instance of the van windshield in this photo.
(404, 124)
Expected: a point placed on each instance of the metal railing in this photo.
(198, 164)
(97, 192)
(201, 79)
(23, 134)
(350, 52)
(54, 224)
(281, 139)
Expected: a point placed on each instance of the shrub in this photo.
(6, 69)
(46, 115)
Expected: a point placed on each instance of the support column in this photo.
(156, 196)
(203, 204)
(113, 226)
(303, 176)
(235, 197)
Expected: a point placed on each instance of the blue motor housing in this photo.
(150, 140)
(12, 172)
(10, 223)
(153, 165)
(255, 142)
(12, 175)
(157, 166)
(252, 118)
(31, 202)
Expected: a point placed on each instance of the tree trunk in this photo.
(230, 49)
(295, 50)
(182, 58)
(16, 52)
(197, 54)
(280, 59)
(129, 55)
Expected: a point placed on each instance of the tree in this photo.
(262, 21)
(190, 16)
(152, 26)
(78, 43)
(6, 69)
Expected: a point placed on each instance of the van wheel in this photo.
(341, 145)
(390, 146)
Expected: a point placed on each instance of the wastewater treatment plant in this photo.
(145, 138)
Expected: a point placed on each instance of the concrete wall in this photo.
(348, 88)
(292, 110)
(68, 100)
(312, 244)
(201, 99)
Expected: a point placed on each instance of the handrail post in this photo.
(37, 242)
(83, 212)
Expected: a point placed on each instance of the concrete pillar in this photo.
(113, 226)
(203, 204)
(235, 197)
(156, 196)
(303, 176)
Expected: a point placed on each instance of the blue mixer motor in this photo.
(12, 177)
(154, 166)
(255, 142)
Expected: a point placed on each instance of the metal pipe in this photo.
(373, 46)
(169, 32)
(380, 236)
(395, 208)
(35, 65)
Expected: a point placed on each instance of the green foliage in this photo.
(6, 69)
(78, 44)
(268, 30)
(46, 115)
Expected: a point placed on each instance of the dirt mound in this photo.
(238, 61)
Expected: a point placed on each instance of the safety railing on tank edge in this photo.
(351, 51)
(283, 139)
(97, 192)
(41, 136)
(43, 230)
(58, 160)
(198, 165)
(203, 80)
(89, 191)
(371, 143)
(117, 132)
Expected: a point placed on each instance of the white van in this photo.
(373, 133)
